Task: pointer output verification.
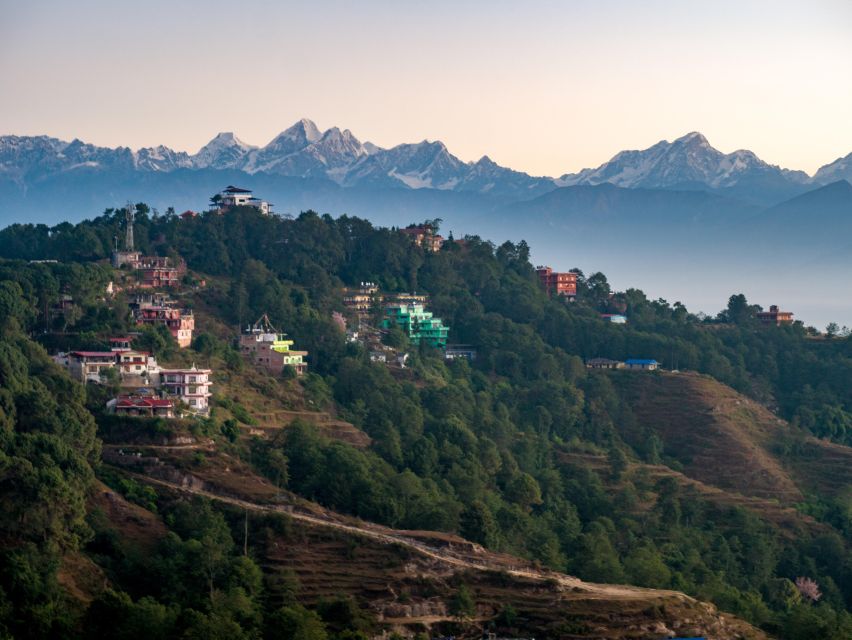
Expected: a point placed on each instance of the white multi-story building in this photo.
(233, 196)
(190, 386)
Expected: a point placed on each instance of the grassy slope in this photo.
(731, 443)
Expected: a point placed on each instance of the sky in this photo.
(543, 87)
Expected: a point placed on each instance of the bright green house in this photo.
(418, 324)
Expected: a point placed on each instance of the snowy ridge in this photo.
(840, 169)
(688, 160)
(304, 151)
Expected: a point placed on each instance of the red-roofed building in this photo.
(142, 406)
(188, 214)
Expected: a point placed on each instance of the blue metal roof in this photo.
(640, 361)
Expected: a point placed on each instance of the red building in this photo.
(160, 271)
(774, 316)
(156, 277)
(556, 283)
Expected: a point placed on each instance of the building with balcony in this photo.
(557, 283)
(89, 366)
(775, 317)
(361, 299)
(233, 196)
(408, 298)
(190, 386)
(417, 323)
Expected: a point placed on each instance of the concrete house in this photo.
(191, 386)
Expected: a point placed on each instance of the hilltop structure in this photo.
(775, 317)
(232, 196)
(417, 323)
(557, 283)
(267, 348)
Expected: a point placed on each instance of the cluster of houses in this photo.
(407, 311)
(147, 389)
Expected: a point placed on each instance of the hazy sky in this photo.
(545, 87)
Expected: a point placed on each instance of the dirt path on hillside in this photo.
(583, 589)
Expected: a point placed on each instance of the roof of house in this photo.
(93, 354)
(121, 339)
(127, 402)
(232, 189)
(641, 361)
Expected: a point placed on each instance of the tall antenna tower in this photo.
(129, 212)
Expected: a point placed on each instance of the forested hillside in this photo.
(523, 450)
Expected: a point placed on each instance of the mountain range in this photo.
(304, 151)
(681, 202)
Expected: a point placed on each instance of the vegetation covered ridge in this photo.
(515, 445)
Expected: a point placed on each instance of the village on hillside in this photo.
(388, 325)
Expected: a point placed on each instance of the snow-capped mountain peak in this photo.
(225, 151)
(302, 150)
(840, 169)
(687, 161)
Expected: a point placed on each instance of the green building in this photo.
(418, 324)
